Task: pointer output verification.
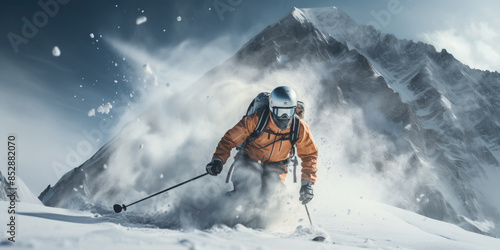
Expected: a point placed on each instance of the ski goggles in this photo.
(284, 112)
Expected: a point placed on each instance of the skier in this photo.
(261, 164)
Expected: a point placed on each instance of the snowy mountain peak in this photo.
(319, 15)
(299, 15)
(330, 21)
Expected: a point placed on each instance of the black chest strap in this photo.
(259, 130)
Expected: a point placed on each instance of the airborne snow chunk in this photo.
(105, 108)
(56, 51)
(140, 20)
(91, 112)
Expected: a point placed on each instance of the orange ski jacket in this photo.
(271, 147)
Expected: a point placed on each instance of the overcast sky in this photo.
(56, 100)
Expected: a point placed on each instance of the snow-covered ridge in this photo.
(22, 192)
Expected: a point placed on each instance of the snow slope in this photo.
(355, 224)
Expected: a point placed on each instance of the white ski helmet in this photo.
(282, 103)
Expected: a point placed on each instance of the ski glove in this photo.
(306, 192)
(214, 167)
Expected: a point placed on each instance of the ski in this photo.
(319, 238)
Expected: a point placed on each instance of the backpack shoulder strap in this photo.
(295, 129)
(294, 137)
(261, 124)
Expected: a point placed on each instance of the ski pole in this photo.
(317, 238)
(309, 216)
(119, 208)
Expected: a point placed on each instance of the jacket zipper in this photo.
(244, 132)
